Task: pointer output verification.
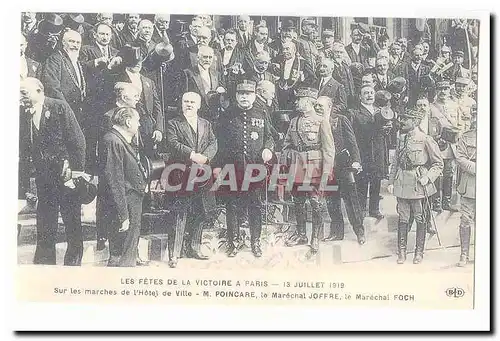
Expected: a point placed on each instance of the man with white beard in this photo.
(64, 77)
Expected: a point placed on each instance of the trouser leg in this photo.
(447, 183)
(299, 237)
(317, 205)
(254, 204)
(467, 209)
(353, 210)
(374, 204)
(71, 215)
(404, 211)
(131, 242)
(46, 223)
(362, 185)
(333, 203)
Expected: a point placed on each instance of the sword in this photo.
(419, 174)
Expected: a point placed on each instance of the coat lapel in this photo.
(201, 133)
(188, 132)
(70, 68)
(214, 80)
(199, 84)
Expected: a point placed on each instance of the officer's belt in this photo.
(301, 149)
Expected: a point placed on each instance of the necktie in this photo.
(105, 52)
(321, 83)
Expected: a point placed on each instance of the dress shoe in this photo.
(333, 238)
(296, 239)
(232, 251)
(463, 261)
(361, 239)
(418, 258)
(257, 252)
(377, 215)
(101, 244)
(172, 262)
(190, 253)
(140, 262)
(402, 257)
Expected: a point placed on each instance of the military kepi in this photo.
(412, 114)
(306, 92)
(246, 86)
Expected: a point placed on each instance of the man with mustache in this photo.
(308, 152)
(342, 73)
(357, 51)
(243, 35)
(347, 159)
(328, 86)
(259, 43)
(65, 77)
(161, 28)
(417, 165)
(191, 39)
(130, 31)
(233, 61)
(382, 76)
(205, 81)
(370, 138)
(244, 138)
(192, 142)
(260, 68)
(51, 136)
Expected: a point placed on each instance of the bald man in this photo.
(192, 142)
(50, 136)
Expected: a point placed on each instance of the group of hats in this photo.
(53, 23)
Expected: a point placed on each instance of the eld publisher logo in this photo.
(455, 292)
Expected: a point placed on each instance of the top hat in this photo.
(288, 25)
(131, 55)
(306, 92)
(51, 24)
(246, 86)
(85, 190)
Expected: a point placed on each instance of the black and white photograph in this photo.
(191, 152)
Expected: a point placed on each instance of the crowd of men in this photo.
(96, 99)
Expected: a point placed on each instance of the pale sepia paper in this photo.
(425, 289)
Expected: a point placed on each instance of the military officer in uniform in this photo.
(417, 165)
(466, 161)
(347, 163)
(308, 145)
(244, 138)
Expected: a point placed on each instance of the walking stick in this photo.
(429, 209)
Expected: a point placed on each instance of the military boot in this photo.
(447, 189)
(299, 237)
(402, 241)
(336, 232)
(255, 222)
(419, 243)
(317, 224)
(233, 233)
(464, 245)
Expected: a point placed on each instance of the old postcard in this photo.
(252, 160)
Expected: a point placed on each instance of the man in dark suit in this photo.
(50, 133)
(382, 76)
(292, 70)
(206, 82)
(152, 121)
(129, 32)
(190, 39)
(328, 86)
(234, 62)
(265, 100)
(161, 28)
(342, 73)
(29, 67)
(357, 51)
(260, 69)
(122, 185)
(242, 33)
(97, 58)
(192, 142)
(417, 76)
(258, 44)
(372, 148)
(65, 77)
(346, 160)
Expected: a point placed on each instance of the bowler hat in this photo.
(86, 190)
(51, 24)
(364, 28)
(74, 20)
(397, 85)
(246, 86)
(288, 25)
(382, 98)
(306, 92)
(131, 55)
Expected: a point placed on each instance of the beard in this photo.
(73, 54)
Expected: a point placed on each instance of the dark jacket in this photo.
(242, 136)
(120, 175)
(60, 80)
(59, 138)
(371, 143)
(418, 83)
(342, 74)
(335, 91)
(343, 137)
(364, 54)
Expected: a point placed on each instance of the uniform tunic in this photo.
(466, 160)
